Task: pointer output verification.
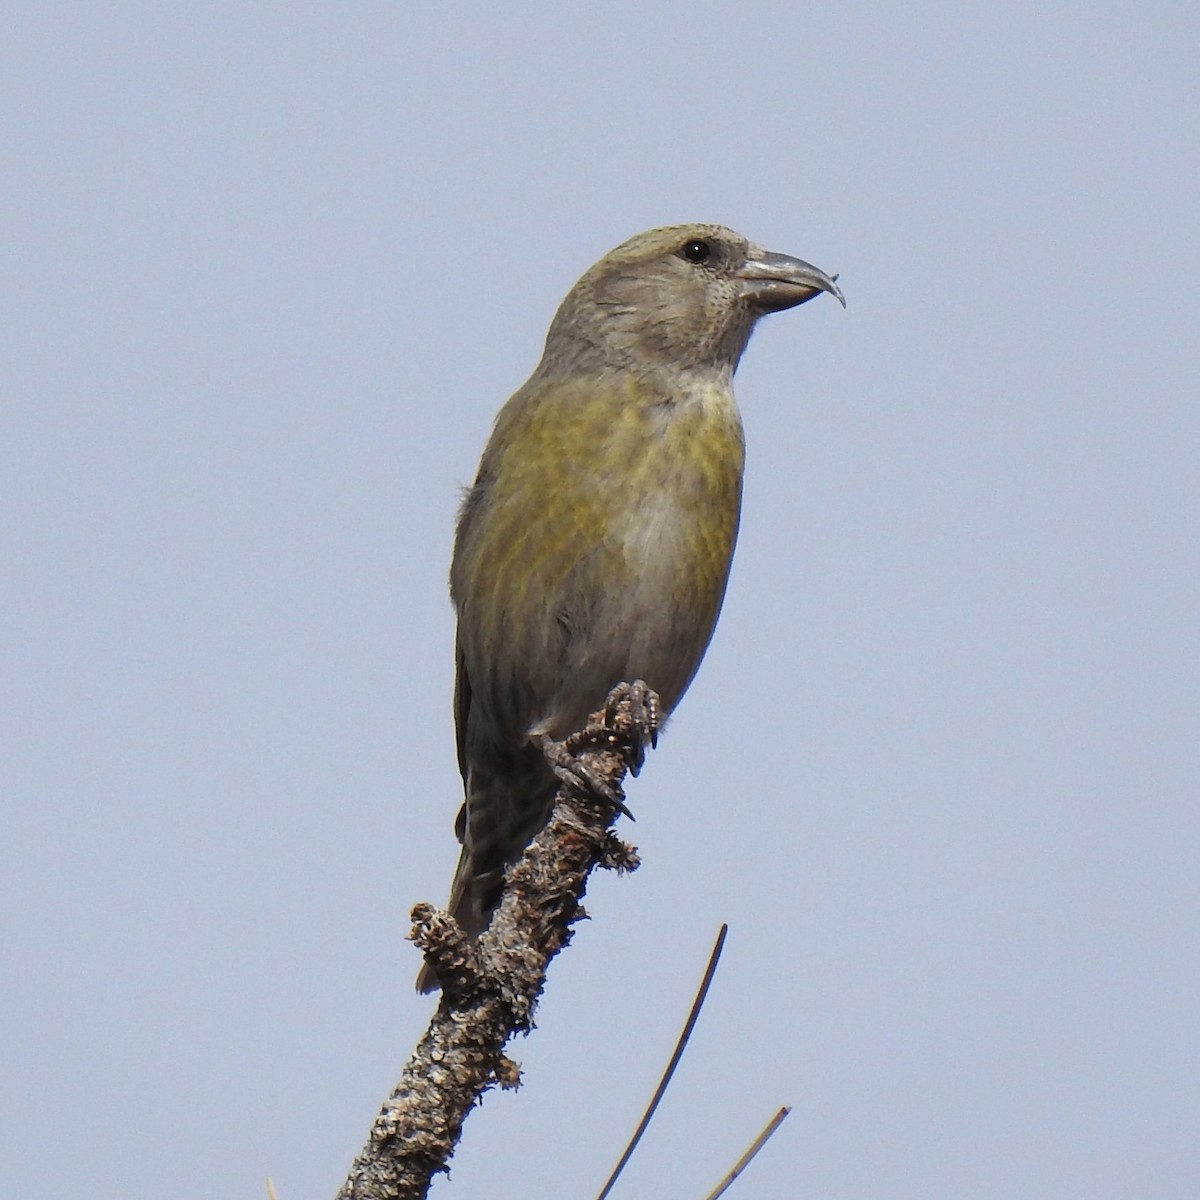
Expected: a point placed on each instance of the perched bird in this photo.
(595, 543)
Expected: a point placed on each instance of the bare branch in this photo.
(490, 987)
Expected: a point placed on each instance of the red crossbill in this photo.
(595, 543)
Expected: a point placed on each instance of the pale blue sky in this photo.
(270, 270)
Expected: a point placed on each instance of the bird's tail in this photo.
(504, 811)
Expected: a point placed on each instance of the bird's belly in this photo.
(650, 615)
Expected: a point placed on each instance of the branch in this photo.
(490, 987)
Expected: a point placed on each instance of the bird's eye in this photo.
(696, 251)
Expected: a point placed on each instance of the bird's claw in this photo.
(570, 770)
(631, 718)
(644, 715)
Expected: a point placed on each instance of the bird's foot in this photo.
(633, 709)
(630, 720)
(574, 773)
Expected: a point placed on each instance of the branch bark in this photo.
(490, 987)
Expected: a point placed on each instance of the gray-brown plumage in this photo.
(595, 543)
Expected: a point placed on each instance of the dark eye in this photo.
(696, 251)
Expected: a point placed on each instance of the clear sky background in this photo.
(269, 270)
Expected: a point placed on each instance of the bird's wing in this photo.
(462, 706)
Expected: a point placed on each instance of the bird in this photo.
(595, 543)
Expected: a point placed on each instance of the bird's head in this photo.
(685, 297)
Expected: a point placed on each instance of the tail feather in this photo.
(505, 810)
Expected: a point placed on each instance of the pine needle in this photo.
(743, 1162)
(689, 1025)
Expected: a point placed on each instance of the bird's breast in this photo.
(679, 517)
(597, 541)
